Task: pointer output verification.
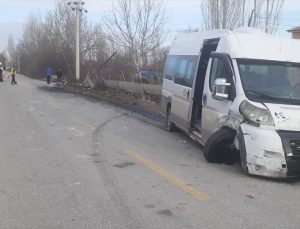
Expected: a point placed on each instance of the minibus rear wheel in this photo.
(217, 144)
(169, 124)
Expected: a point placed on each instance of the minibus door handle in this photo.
(186, 93)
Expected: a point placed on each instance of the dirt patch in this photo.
(150, 103)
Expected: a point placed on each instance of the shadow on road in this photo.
(288, 180)
(51, 88)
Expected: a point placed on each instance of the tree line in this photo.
(134, 29)
(229, 14)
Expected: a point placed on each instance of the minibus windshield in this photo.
(270, 81)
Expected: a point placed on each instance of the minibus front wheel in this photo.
(218, 147)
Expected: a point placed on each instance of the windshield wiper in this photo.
(261, 95)
(289, 100)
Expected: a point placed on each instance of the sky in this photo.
(182, 15)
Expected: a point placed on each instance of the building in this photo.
(295, 32)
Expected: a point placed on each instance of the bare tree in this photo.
(138, 26)
(59, 24)
(225, 14)
(50, 41)
(229, 14)
(267, 14)
(94, 44)
(4, 57)
(11, 49)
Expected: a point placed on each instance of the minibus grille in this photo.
(291, 144)
(295, 147)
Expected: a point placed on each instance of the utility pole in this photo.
(18, 59)
(267, 17)
(77, 6)
(217, 15)
(243, 19)
(255, 14)
(224, 20)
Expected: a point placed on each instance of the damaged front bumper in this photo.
(291, 145)
(265, 152)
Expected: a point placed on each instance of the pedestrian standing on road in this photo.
(1, 74)
(13, 76)
(59, 75)
(48, 74)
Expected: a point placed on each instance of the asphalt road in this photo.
(71, 162)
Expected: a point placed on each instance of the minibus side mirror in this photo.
(221, 89)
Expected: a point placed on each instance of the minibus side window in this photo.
(190, 70)
(217, 69)
(171, 68)
(181, 69)
(185, 70)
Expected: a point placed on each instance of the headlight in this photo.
(256, 115)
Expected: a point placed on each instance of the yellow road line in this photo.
(81, 122)
(168, 176)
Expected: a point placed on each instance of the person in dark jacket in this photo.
(48, 74)
(59, 75)
(1, 74)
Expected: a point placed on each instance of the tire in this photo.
(217, 144)
(169, 125)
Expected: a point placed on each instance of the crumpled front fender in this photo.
(262, 151)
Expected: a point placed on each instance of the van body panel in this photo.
(191, 43)
(246, 45)
(181, 103)
(286, 117)
(264, 151)
(273, 150)
(166, 97)
(212, 109)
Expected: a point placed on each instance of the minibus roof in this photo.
(191, 43)
(260, 46)
(248, 43)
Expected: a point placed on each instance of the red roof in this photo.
(296, 29)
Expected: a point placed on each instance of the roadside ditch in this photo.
(146, 110)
